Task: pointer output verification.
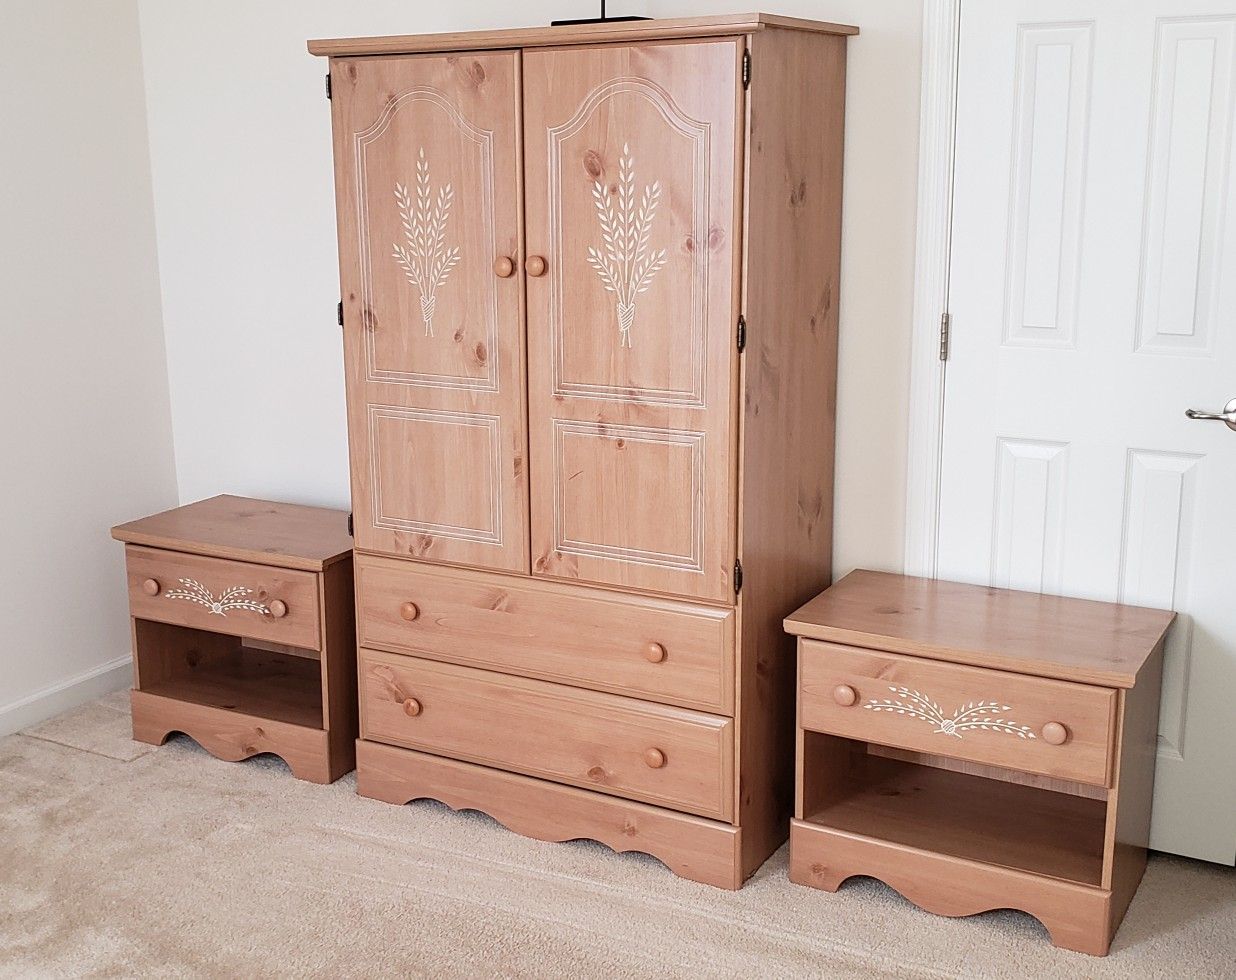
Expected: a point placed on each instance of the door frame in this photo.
(933, 248)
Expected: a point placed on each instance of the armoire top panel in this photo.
(526, 37)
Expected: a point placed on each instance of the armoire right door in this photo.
(632, 177)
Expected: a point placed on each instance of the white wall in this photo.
(86, 439)
(240, 145)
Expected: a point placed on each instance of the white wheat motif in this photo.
(425, 259)
(975, 715)
(233, 598)
(624, 262)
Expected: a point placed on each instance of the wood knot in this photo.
(798, 195)
(630, 829)
(476, 72)
(716, 238)
(597, 773)
(593, 166)
(458, 335)
(480, 352)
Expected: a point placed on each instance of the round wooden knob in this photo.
(844, 695)
(151, 586)
(411, 707)
(536, 265)
(504, 267)
(1055, 733)
(278, 608)
(654, 653)
(655, 758)
(409, 611)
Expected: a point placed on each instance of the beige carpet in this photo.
(116, 861)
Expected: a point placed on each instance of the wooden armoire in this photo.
(589, 302)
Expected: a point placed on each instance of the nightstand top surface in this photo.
(244, 529)
(1025, 632)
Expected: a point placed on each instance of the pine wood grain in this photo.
(1075, 915)
(435, 399)
(791, 284)
(1024, 632)
(632, 433)
(598, 741)
(879, 679)
(692, 847)
(565, 633)
(259, 531)
(530, 37)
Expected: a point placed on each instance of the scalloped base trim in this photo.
(1078, 917)
(692, 847)
(233, 737)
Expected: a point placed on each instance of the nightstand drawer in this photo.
(256, 601)
(667, 651)
(669, 756)
(1033, 724)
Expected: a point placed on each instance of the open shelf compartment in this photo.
(229, 673)
(854, 787)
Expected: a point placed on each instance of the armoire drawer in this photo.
(625, 747)
(235, 597)
(1033, 724)
(667, 651)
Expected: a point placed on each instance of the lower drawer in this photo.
(673, 757)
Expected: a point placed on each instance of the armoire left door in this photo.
(428, 195)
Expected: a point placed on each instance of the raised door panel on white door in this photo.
(428, 189)
(1089, 310)
(631, 157)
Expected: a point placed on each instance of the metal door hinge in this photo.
(328, 95)
(946, 321)
(341, 313)
(746, 69)
(350, 534)
(742, 333)
(737, 576)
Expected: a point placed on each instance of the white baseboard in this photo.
(115, 675)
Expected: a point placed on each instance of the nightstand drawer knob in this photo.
(536, 265)
(654, 653)
(655, 758)
(278, 608)
(844, 695)
(411, 707)
(151, 586)
(1055, 733)
(504, 267)
(409, 611)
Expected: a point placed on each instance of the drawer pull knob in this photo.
(536, 266)
(1055, 733)
(844, 695)
(409, 611)
(151, 586)
(504, 268)
(278, 608)
(411, 707)
(655, 758)
(654, 653)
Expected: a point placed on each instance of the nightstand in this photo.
(977, 748)
(244, 631)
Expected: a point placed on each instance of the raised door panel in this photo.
(428, 192)
(632, 162)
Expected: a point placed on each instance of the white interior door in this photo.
(1093, 301)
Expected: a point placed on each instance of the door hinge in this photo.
(742, 333)
(328, 95)
(746, 69)
(737, 576)
(341, 313)
(946, 322)
(350, 534)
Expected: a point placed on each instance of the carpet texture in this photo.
(118, 862)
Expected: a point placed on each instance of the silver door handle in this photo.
(1228, 414)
